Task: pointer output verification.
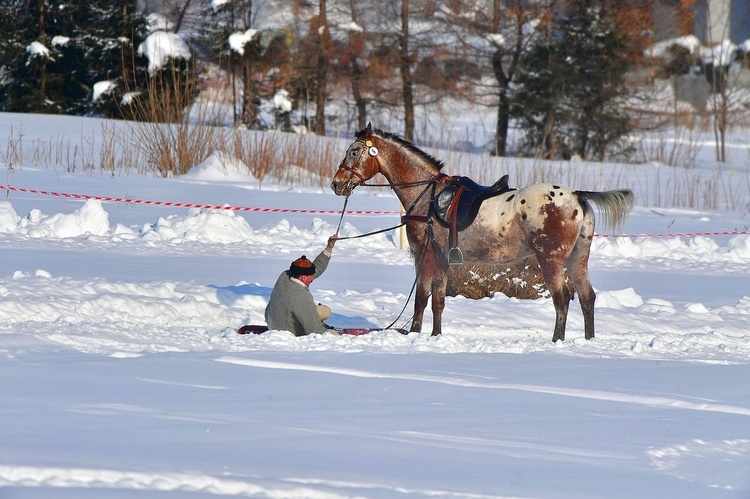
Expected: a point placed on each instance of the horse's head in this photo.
(359, 165)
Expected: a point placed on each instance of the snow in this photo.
(160, 46)
(352, 26)
(217, 4)
(37, 49)
(237, 41)
(660, 49)
(158, 22)
(102, 88)
(721, 54)
(496, 39)
(221, 167)
(122, 375)
(60, 40)
(281, 101)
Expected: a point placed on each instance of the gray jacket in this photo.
(292, 307)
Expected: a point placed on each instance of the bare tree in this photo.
(233, 17)
(321, 67)
(725, 95)
(496, 36)
(355, 39)
(407, 84)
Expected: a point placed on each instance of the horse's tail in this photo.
(614, 206)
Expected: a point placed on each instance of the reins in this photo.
(404, 219)
(413, 286)
(407, 214)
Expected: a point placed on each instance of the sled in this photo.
(259, 329)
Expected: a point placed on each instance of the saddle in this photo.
(457, 205)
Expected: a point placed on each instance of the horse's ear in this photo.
(368, 130)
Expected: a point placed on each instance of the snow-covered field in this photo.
(121, 374)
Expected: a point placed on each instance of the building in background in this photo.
(718, 20)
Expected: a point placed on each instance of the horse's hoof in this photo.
(436, 333)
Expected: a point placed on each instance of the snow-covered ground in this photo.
(121, 374)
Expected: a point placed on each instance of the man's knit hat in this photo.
(302, 266)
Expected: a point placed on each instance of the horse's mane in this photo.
(403, 143)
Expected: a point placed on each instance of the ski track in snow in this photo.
(663, 402)
(29, 476)
(701, 461)
(108, 479)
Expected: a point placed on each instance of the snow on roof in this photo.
(237, 41)
(160, 46)
(659, 49)
(719, 55)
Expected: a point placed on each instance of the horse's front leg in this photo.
(439, 283)
(421, 295)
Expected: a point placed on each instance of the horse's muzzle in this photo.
(342, 187)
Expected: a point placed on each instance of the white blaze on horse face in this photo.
(352, 155)
(346, 177)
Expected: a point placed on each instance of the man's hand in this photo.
(332, 242)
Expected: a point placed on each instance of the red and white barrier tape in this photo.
(314, 212)
(194, 205)
(678, 234)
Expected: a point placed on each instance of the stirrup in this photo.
(455, 256)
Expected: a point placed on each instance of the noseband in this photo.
(373, 152)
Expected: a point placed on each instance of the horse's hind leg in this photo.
(552, 268)
(578, 271)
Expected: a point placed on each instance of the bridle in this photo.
(373, 152)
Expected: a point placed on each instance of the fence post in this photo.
(403, 242)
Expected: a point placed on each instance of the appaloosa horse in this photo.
(553, 222)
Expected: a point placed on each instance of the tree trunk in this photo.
(503, 105)
(548, 138)
(43, 40)
(406, 78)
(181, 16)
(503, 75)
(248, 108)
(357, 74)
(321, 71)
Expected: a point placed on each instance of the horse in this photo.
(553, 222)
